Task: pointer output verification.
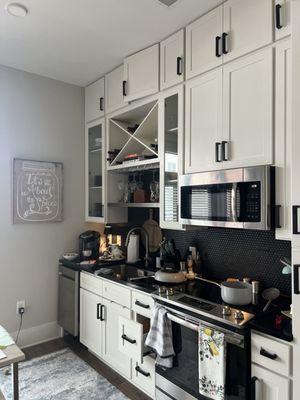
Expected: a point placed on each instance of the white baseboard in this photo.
(38, 334)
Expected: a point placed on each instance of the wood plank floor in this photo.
(114, 378)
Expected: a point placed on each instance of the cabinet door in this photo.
(248, 26)
(114, 98)
(172, 60)
(282, 15)
(130, 338)
(94, 176)
(110, 349)
(283, 139)
(90, 321)
(248, 110)
(94, 100)
(270, 386)
(203, 43)
(203, 130)
(171, 155)
(141, 71)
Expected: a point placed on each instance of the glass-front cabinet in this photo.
(94, 176)
(170, 153)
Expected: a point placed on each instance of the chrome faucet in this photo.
(141, 229)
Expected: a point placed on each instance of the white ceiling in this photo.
(77, 41)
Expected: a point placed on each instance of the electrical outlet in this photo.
(20, 304)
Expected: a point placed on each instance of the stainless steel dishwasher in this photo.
(68, 299)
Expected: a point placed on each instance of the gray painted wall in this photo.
(40, 119)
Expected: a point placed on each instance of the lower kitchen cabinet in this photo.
(110, 338)
(143, 374)
(270, 386)
(131, 338)
(90, 321)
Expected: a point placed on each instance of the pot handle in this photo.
(207, 280)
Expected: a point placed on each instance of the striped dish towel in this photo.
(160, 337)
(212, 363)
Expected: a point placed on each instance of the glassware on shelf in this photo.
(154, 189)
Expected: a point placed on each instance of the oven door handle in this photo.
(183, 322)
(233, 202)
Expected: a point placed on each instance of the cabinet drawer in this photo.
(91, 283)
(142, 304)
(131, 341)
(143, 375)
(117, 293)
(271, 354)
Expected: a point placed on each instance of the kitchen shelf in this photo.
(134, 205)
(135, 166)
(95, 187)
(96, 150)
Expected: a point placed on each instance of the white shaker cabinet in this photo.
(283, 139)
(203, 43)
(248, 25)
(203, 122)
(90, 321)
(172, 60)
(114, 98)
(282, 17)
(268, 385)
(141, 73)
(94, 100)
(248, 110)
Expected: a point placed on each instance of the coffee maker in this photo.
(89, 242)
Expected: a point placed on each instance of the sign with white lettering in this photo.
(37, 191)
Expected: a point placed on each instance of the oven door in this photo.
(236, 198)
(182, 381)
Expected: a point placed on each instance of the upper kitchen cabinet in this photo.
(248, 25)
(94, 101)
(282, 17)
(203, 122)
(172, 60)
(114, 98)
(141, 74)
(248, 110)
(204, 43)
(283, 139)
(94, 170)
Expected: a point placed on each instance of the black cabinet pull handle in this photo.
(138, 303)
(99, 311)
(224, 43)
(224, 150)
(218, 39)
(295, 220)
(138, 369)
(132, 341)
(101, 103)
(254, 379)
(277, 16)
(265, 353)
(124, 88)
(179, 66)
(296, 278)
(217, 158)
(277, 216)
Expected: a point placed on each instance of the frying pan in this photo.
(270, 295)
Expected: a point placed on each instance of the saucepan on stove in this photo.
(236, 293)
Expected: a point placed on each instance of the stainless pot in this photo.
(235, 293)
(170, 276)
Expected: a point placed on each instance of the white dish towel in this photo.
(212, 363)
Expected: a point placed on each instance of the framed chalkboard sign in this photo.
(37, 191)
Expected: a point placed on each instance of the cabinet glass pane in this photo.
(171, 159)
(95, 171)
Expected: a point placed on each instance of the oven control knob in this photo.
(170, 291)
(239, 315)
(226, 311)
(161, 290)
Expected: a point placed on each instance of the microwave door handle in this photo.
(233, 202)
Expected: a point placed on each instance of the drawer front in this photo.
(131, 340)
(271, 354)
(143, 375)
(117, 293)
(270, 386)
(91, 283)
(142, 304)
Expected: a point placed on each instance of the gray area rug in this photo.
(61, 376)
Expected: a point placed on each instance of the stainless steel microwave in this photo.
(235, 198)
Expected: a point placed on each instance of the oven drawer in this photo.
(142, 304)
(117, 293)
(271, 354)
(91, 283)
(143, 374)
